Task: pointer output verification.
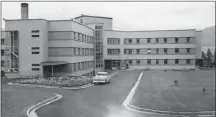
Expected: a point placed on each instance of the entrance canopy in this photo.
(52, 63)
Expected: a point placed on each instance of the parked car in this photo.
(101, 77)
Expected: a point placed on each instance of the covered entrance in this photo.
(52, 68)
(113, 64)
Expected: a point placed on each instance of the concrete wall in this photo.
(26, 42)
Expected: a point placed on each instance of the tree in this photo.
(209, 58)
(204, 58)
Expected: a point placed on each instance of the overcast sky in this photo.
(126, 15)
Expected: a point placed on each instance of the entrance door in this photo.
(115, 64)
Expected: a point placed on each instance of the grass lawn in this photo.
(15, 101)
(157, 91)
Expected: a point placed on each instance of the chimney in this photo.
(24, 10)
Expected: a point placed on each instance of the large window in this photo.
(137, 62)
(137, 41)
(113, 51)
(148, 51)
(176, 50)
(137, 51)
(148, 40)
(35, 36)
(176, 61)
(188, 39)
(148, 61)
(129, 41)
(165, 40)
(113, 41)
(157, 61)
(165, 61)
(157, 50)
(188, 61)
(157, 40)
(130, 62)
(129, 51)
(188, 50)
(176, 40)
(165, 50)
(2, 52)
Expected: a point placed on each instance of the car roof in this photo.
(102, 72)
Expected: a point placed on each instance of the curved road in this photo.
(95, 101)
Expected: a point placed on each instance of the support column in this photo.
(41, 71)
(52, 70)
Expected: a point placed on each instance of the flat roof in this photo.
(47, 63)
(151, 30)
(48, 21)
(93, 17)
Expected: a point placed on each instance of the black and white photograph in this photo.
(108, 59)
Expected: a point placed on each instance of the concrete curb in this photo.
(150, 111)
(31, 111)
(44, 86)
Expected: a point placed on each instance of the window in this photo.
(35, 36)
(148, 40)
(148, 61)
(157, 50)
(148, 51)
(2, 63)
(176, 61)
(188, 50)
(188, 39)
(125, 51)
(176, 50)
(157, 40)
(165, 40)
(35, 69)
(35, 52)
(113, 51)
(113, 41)
(35, 31)
(137, 62)
(157, 61)
(188, 61)
(2, 52)
(176, 40)
(137, 51)
(138, 41)
(78, 67)
(165, 50)
(165, 61)
(78, 51)
(2, 41)
(129, 51)
(35, 48)
(35, 64)
(129, 41)
(130, 62)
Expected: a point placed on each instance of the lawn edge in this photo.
(150, 111)
(31, 111)
(45, 86)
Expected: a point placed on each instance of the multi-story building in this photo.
(88, 44)
(159, 49)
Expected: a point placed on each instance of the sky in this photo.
(127, 16)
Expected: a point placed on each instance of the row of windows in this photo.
(148, 51)
(113, 51)
(113, 41)
(89, 74)
(149, 61)
(149, 40)
(35, 50)
(82, 65)
(35, 67)
(82, 51)
(35, 33)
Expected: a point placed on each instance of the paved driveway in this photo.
(96, 101)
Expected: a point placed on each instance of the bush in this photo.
(69, 81)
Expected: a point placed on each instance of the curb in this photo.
(44, 86)
(144, 110)
(31, 111)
